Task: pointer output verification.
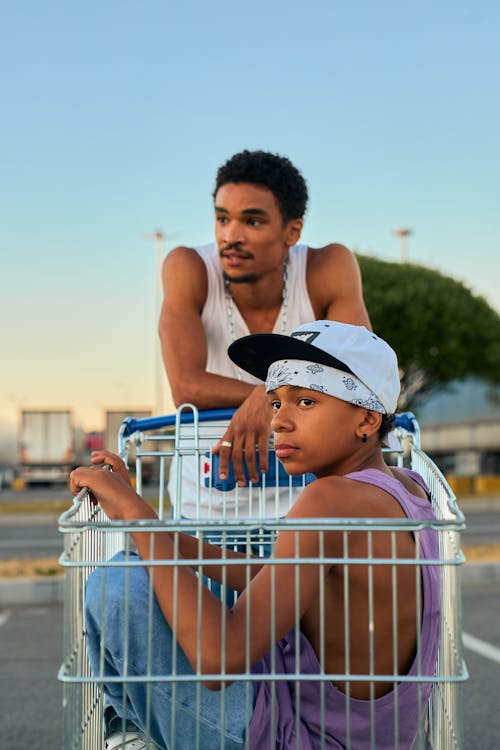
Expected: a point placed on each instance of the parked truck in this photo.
(50, 445)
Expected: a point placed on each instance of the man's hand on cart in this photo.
(248, 431)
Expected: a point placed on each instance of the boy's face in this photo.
(313, 432)
(251, 235)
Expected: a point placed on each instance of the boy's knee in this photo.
(110, 584)
(93, 612)
(93, 592)
(106, 582)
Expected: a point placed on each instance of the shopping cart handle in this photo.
(131, 424)
(407, 421)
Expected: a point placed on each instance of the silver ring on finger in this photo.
(226, 444)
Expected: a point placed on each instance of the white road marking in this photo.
(20, 543)
(5, 616)
(483, 648)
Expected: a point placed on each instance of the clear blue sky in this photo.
(116, 115)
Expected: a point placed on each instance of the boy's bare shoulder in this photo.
(408, 482)
(330, 496)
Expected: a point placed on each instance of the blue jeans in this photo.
(179, 712)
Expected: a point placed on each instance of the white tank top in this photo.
(214, 315)
(191, 498)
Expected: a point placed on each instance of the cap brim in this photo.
(257, 352)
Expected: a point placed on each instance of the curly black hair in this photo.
(272, 171)
(386, 425)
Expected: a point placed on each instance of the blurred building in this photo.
(461, 429)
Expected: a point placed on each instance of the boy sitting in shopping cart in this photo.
(321, 605)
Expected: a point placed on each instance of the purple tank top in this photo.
(341, 713)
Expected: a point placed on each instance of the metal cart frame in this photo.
(90, 540)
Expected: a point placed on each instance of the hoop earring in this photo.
(364, 437)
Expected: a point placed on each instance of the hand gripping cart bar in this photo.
(162, 444)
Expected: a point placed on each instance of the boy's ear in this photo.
(369, 423)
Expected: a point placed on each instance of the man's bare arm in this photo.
(183, 338)
(184, 349)
(335, 287)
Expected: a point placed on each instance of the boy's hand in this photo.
(113, 461)
(112, 490)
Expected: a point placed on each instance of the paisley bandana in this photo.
(329, 380)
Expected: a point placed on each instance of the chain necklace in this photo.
(284, 306)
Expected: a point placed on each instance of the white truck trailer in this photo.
(50, 446)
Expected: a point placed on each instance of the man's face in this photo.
(251, 235)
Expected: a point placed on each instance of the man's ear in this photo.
(369, 423)
(293, 230)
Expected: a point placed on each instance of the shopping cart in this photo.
(91, 540)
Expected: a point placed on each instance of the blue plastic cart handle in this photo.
(406, 420)
(168, 420)
(131, 424)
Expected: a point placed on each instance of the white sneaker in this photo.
(125, 741)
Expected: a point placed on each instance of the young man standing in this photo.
(255, 278)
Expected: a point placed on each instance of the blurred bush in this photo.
(440, 330)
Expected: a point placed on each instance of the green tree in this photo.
(439, 329)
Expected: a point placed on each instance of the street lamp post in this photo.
(403, 234)
(159, 239)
